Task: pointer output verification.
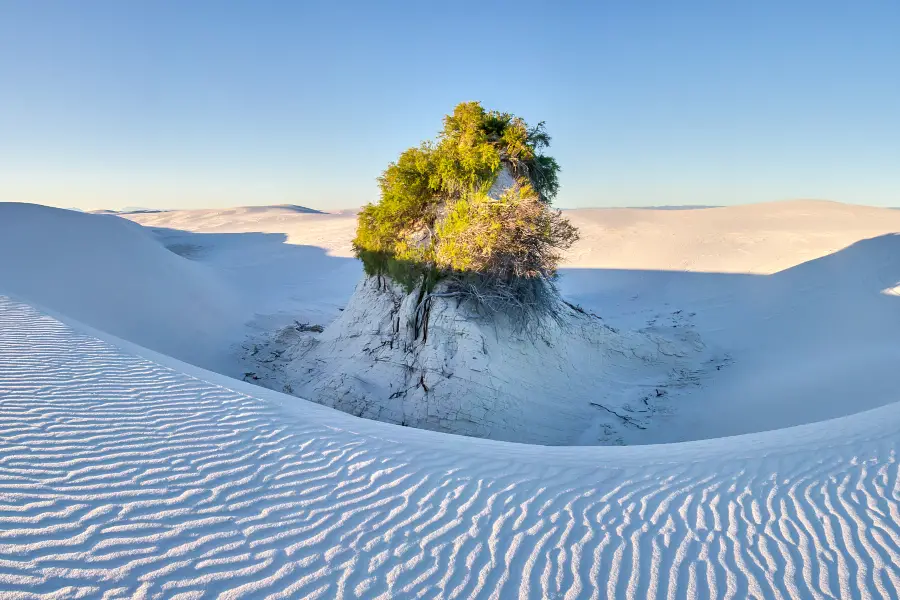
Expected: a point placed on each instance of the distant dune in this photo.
(757, 238)
(674, 207)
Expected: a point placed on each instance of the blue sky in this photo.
(216, 103)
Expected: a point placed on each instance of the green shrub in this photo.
(514, 236)
(436, 216)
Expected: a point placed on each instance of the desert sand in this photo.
(135, 463)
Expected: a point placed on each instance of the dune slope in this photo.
(799, 297)
(116, 276)
(125, 476)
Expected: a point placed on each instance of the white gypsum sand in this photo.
(129, 474)
(439, 365)
(795, 294)
(820, 331)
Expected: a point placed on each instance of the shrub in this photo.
(510, 237)
(440, 216)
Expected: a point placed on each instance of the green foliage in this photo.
(513, 236)
(409, 274)
(545, 176)
(467, 235)
(435, 215)
(408, 187)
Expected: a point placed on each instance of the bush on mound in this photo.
(473, 209)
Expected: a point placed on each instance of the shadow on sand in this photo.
(811, 342)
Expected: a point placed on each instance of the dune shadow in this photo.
(247, 247)
(811, 342)
(832, 287)
(272, 275)
(870, 266)
(808, 343)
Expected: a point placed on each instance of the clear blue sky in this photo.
(218, 103)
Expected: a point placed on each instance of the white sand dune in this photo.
(106, 271)
(124, 476)
(796, 293)
(331, 232)
(125, 473)
(758, 238)
(740, 278)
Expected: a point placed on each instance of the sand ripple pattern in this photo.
(124, 478)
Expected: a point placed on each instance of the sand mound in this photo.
(442, 366)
